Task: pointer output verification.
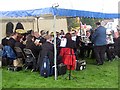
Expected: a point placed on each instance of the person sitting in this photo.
(47, 49)
(21, 45)
(34, 47)
(11, 43)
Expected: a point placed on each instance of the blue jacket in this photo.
(99, 36)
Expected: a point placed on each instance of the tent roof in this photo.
(71, 8)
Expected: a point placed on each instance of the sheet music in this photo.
(63, 42)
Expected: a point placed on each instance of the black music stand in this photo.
(70, 76)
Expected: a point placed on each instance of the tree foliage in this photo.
(90, 21)
(72, 22)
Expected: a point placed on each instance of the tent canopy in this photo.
(62, 8)
(66, 8)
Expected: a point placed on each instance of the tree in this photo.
(72, 22)
(90, 21)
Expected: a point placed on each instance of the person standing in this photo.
(67, 53)
(99, 40)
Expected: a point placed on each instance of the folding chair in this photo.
(19, 52)
(19, 61)
(30, 59)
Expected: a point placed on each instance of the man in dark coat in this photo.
(47, 49)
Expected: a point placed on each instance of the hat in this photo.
(20, 31)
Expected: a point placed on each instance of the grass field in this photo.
(105, 76)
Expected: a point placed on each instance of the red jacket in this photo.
(68, 58)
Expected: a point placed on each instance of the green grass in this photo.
(0, 78)
(105, 76)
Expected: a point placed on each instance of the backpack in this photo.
(45, 68)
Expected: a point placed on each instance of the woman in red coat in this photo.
(67, 53)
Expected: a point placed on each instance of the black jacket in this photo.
(71, 44)
(11, 42)
(47, 49)
(35, 49)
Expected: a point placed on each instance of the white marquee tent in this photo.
(62, 8)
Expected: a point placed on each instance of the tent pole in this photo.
(80, 26)
(55, 51)
(54, 7)
(37, 24)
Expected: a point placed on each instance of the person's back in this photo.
(68, 52)
(5, 40)
(118, 45)
(13, 39)
(11, 43)
(99, 37)
(47, 49)
(70, 43)
(99, 40)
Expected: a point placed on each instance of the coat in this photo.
(99, 36)
(35, 49)
(68, 57)
(11, 42)
(47, 49)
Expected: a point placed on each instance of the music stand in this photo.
(70, 76)
(69, 56)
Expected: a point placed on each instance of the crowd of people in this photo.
(92, 45)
